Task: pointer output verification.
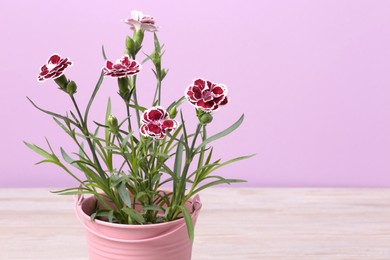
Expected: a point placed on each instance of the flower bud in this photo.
(206, 118)
(71, 87)
(172, 112)
(112, 123)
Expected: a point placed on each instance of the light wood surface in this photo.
(235, 223)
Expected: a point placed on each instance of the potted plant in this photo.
(138, 178)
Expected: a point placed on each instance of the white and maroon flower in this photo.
(122, 67)
(54, 67)
(156, 123)
(207, 96)
(140, 21)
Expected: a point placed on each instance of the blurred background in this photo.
(311, 77)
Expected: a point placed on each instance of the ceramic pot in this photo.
(163, 241)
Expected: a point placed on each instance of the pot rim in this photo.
(195, 201)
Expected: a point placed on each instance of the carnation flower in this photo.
(207, 96)
(140, 21)
(122, 67)
(156, 123)
(54, 67)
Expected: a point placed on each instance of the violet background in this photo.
(312, 78)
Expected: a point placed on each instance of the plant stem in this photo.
(157, 93)
(119, 138)
(183, 178)
(87, 135)
(200, 163)
(128, 116)
(134, 81)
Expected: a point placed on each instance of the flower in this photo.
(156, 123)
(54, 67)
(207, 96)
(140, 21)
(122, 67)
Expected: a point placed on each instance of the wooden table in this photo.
(235, 223)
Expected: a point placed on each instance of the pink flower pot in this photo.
(165, 241)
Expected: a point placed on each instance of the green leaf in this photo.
(213, 183)
(140, 195)
(234, 160)
(172, 138)
(104, 53)
(125, 140)
(176, 103)
(178, 159)
(97, 87)
(68, 159)
(153, 208)
(204, 167)
(62, 126)
(109, 214)
(221, 134)
(142, 109)
(157, 43)
(66, 119)
(124, 194)
(188, 220)
(107, 129)
(146, 59)
(39, 150)
(77, 190)
(134, 215)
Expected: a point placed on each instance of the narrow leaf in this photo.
(188, 220)
(153, 208)
(104, 53)
(179, 158)
(134, 215)
(53, 114)
(222, 134)
(97, 87)
(124, 194)
(39, 150)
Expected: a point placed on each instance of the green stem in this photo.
(200, 162)
(128, 117)
(119, 138)
(157, 93)
(183, 178)
(87, 135)
(134, 81)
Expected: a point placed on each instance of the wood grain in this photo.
(235, 223)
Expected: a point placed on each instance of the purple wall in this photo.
(312, 78)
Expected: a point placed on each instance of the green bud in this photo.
(138, 37)
(71, 87)
(112, 123)
(61, 82)
(206, 118)
(172, 112)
